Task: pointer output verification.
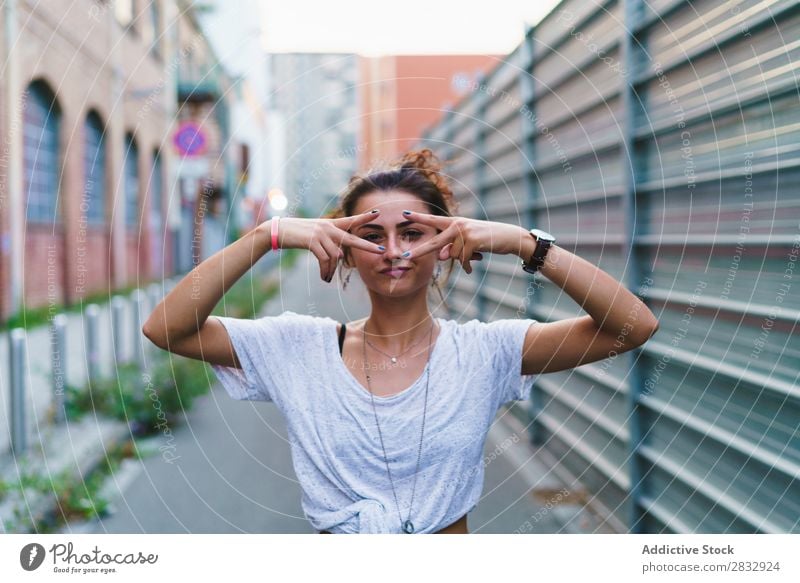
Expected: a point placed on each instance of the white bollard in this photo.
(118, 328)
(59, 356)
(139, 306)
(19, 434)
(92, 326)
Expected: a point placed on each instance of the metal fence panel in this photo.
(659, 141)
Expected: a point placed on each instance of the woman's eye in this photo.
(411, 234)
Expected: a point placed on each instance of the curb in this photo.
(77, 447)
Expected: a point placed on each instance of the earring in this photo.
(437, 274)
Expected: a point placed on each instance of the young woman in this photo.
(388, 415)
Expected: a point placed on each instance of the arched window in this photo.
(41, 126)
(131, 181)
(94, 189)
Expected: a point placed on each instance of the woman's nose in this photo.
(395, 248)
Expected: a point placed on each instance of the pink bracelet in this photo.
(275, 220)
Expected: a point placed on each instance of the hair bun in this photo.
(429, 164)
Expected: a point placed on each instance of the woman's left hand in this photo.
(466, 237)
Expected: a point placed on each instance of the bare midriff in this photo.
(457, 527)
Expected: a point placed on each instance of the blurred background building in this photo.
(123, 155)
(401, 95)
(315, 97)
(136, 155)
(656, 140)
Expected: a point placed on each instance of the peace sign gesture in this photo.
(325, 237)
(465, 237)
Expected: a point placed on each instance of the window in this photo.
(94, 189)
(131, 181)
(150, 26)
(156, 189)
(155, 25)
(157, 233)
(41, 128)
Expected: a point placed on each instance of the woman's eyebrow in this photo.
(379, 227)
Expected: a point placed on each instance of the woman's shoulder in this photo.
(296, 322)
(475, 323)
(464, 327)
(489, 331)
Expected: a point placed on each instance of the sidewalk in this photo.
(70, 448)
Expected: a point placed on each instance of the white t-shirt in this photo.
(293, 360)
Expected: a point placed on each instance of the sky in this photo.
(376, 27)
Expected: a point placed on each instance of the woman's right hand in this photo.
(324, 238)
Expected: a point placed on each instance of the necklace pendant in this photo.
(394, 359)
(408, 528)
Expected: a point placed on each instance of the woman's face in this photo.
(395, 232)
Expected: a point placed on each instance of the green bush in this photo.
(170, 383)
(180, 380)
(145, 399)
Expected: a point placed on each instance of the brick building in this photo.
(89, 101)
(400, 95)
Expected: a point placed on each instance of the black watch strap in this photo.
(543, 243)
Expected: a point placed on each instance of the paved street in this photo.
(233, 470)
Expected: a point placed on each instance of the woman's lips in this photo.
(395, 272)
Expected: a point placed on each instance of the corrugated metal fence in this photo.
(660, 140)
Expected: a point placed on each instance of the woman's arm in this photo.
(184, 310)
(617, 322)
(606, 300)
(180, 323)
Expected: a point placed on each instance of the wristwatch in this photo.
(543, 242)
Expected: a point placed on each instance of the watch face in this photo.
(543, 235)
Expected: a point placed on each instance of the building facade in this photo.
(401, 95)
(90, 99)
(315, 97)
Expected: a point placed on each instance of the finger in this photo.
(351, 221)
(322, 256)
(445, 253)
(438, 221)
(456, 249)
(434, 243)
(467, 254)
(333, 257)
(350, 240)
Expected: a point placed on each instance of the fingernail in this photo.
(373, 211)
(381, 247)
(406, 254)
(406, 213)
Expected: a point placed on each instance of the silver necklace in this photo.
(407, 525)
(394, 358)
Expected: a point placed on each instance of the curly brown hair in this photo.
(416, 172)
